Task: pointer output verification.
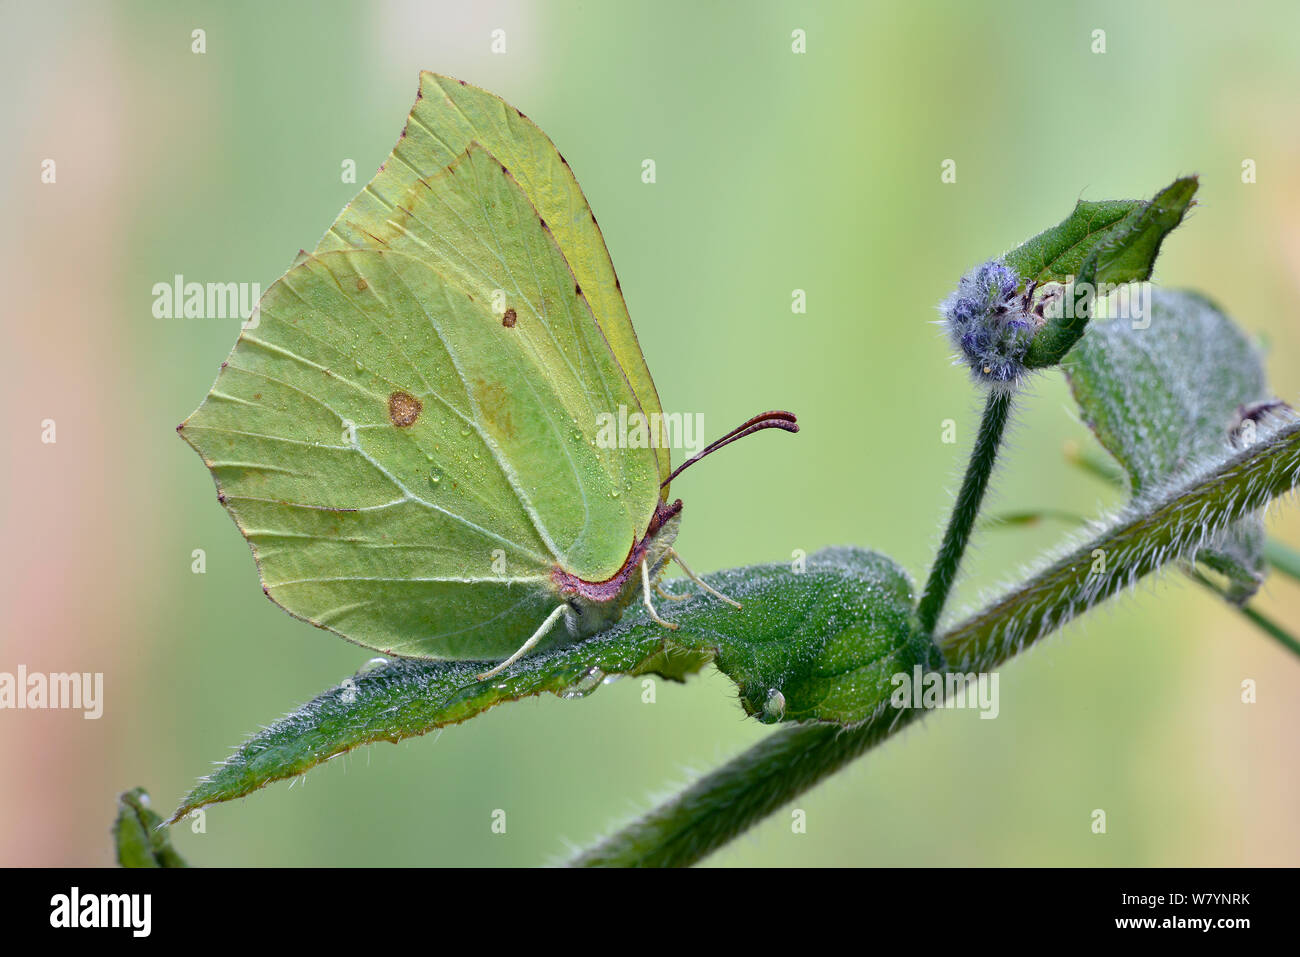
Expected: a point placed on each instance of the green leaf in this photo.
(1123, 253)
(818, 644)
(1097, 464)
(1129, 231)
(1163, 397)
(138, 834)
(1056, 254)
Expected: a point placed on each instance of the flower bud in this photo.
(991, 324)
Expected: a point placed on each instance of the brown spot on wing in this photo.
(362, 285)
(403, 409)
(510, 318)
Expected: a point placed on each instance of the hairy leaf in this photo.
(1163, 392)
(1056, 254)
(818, 644)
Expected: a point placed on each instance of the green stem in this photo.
(1283, 557)
(741, 793)
(1273, 630)
(1149, 532)
(1257, 618)
(965, 510)
(788, 762)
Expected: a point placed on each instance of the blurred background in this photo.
(776, 171)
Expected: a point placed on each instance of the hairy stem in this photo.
(1151, 532)
(1167, 523)
(965, 510)
(741, 793)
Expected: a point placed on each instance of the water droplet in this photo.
(773, 707)
(374, 664)
(588, 682)
(435, 476)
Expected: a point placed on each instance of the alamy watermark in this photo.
(179, 299)
(658, 430)
(1106, 300)
(76, 691)
(131, 912)
(940, 689)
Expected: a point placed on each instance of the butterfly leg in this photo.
(645, 598)
(528, 645)
(672, 553)
(663, 593)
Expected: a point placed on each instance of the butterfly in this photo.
(406, 433)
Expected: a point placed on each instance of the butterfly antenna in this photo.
(775, 419)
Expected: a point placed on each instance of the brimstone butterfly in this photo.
(406, 435)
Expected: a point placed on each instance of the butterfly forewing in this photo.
(473, 224)
(447, 118)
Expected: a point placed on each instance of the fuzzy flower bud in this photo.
(991, 324)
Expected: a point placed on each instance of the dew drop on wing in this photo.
(374, 664)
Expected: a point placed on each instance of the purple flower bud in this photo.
(991, 324)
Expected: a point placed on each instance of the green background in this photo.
(776, 172)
